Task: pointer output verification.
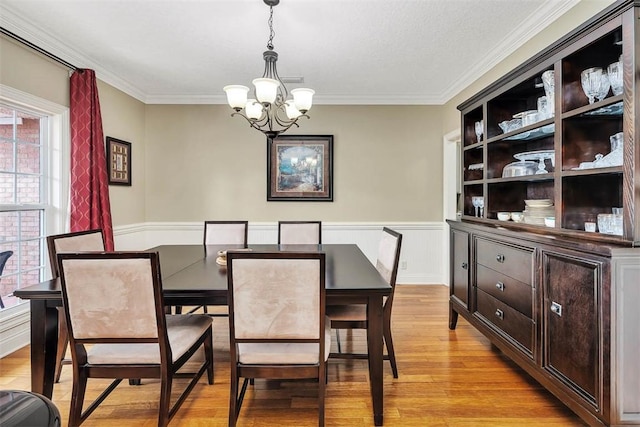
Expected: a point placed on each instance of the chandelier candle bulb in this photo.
(302, 97)
(236, 96)
(291, 110)
(253, 109)
(266, 90)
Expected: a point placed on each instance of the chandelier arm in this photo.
(253, 123)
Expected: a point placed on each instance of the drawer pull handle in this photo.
(556, 308)
(500, 286)
(500, 258)
(499, 314)
(465, 265)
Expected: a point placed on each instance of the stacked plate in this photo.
(536, 210)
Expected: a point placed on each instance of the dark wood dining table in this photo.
(191, 276)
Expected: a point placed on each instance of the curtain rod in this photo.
(37, 48)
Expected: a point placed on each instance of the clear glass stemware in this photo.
(591, 80)
(604, 87)
(479, 131)
(475, 202)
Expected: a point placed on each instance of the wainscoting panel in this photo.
(422, 260)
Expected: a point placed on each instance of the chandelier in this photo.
(270, 111)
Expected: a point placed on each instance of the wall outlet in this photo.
(403, 265)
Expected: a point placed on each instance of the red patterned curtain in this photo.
(90, 206)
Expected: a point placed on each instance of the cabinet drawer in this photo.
(515, 324)
(506, 289)
(509, 260)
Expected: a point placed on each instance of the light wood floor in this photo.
(446, 378)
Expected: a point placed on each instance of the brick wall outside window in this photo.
(20, 180)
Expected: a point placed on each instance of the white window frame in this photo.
(14, 321)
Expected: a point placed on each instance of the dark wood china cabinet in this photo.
(545, 260)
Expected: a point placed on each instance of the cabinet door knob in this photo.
(500, 258)
(499, 314)
(465, 265)
(556, 308)
(500, 286)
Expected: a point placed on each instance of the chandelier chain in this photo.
(271, 32)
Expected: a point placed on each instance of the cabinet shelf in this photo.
(526, 178)
(573, 133)
(538, 130)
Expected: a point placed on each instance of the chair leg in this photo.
(321, 395)
(390, 351)
(77, 398)
(208, 352)
(338, 340)
(63, 342)
(165, 401)
(233, 398)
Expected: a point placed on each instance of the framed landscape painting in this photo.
(300, 168)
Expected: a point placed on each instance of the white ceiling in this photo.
(349, 51)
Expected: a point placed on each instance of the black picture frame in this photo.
(300, 168)
(118, 161)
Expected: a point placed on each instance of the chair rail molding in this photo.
(422, 260)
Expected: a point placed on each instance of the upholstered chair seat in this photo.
(183, 332)
(284, 353)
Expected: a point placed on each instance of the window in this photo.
(23, 199)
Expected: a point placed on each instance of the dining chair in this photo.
(299, 232)
(4, 257)
(78, 241)
(220, 233)
(354, 316)
(118, 328)
(277, 324)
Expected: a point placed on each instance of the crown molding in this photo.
(12, 21)
(544, 16)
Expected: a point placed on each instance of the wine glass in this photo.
(478, 128)
(481, 206)
(615, 77)
(604, 87)
(475, 201)
(591, 80)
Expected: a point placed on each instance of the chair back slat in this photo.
(389, 255)
(225, 232)
(276, 298)
(79, 241)
(299, 232)
(102, 291)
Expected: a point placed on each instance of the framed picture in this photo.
(118, 161)
(300, 168)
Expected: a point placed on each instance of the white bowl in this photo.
(504, 216)
(538, 202)
(550, 221)
(517, 216)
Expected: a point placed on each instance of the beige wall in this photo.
(24, 69)
(203, 164)
(123, 117)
